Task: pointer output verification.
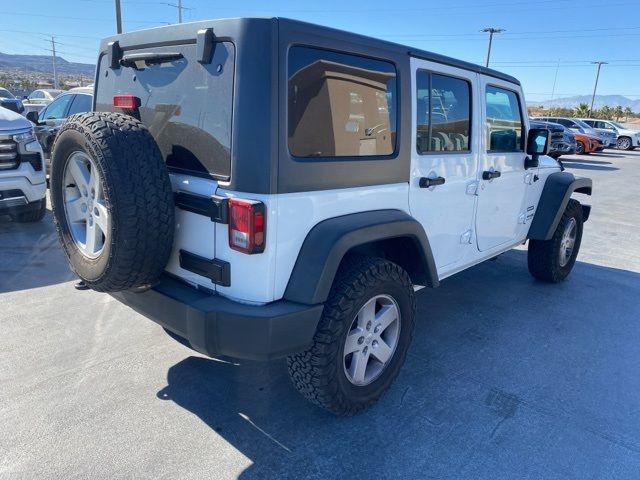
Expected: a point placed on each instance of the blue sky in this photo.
(539, 36)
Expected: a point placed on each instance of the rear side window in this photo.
(340, 105)
(443, 113)
(504, 120)
(81, 103)
(186, 105)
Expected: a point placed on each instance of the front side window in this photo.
(340, 105)
(504, 120)
(443, 106)
(57, 108)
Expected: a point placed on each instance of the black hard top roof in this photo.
(142, 36)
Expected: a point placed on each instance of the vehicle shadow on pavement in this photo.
(578, 164)
(589, 162)
(31, 256)
(495, 370)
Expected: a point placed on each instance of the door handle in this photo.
(426, 182)
(489, 175)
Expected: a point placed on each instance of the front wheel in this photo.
(624, 143)
(362, 338)
(552, 260)
(579, 148)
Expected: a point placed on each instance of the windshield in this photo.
(617, 125)
(4, 93)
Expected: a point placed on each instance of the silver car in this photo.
(626, 139)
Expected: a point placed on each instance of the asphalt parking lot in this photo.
(507, 377)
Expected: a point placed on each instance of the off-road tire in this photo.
(33, 215)
(137, 195)
(543, 255)
(318, 373)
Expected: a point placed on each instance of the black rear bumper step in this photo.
(214, 207)
(218, 271)
(215, 326)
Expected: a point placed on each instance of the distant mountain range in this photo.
(600, 101)
(43, 64)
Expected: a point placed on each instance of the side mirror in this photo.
(538, 141)
(32, 116)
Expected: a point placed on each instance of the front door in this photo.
(444, 162)
(501, 214)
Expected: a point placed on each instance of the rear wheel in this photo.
(579, 148)
(552, 260)
(362, 338)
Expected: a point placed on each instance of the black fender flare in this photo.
(554, 199)
(329, 241)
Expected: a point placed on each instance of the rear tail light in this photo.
(246, 225)
(127, 102)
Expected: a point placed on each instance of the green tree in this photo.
(618, 112)
(607, 112)
(627, 113)
(581, 110)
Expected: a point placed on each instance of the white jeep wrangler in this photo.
(265, 188)
(22, 178)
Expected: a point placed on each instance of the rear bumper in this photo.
(216, 326)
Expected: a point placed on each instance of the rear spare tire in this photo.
(112, 201)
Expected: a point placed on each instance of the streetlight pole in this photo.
(599, 63)
(118, 18)
(490, 31)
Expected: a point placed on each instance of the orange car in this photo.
(585, 144)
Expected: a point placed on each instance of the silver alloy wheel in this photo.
(568, 241)
(579, 148)
(624, 143)
(372, 340)
(84, 207)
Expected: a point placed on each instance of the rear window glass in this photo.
(340, 105)
(186, 105)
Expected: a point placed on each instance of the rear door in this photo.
(501, 213)
(444, 158)
(187, 107)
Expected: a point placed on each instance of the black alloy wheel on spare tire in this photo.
(112, 201)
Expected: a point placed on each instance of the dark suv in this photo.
(563, 142)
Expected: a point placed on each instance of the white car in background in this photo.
(627, 139)
(22, 179)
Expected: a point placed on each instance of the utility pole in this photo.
(55, 72)
(491, 31)
(599, 63)
(118, 18)
(180, 8)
